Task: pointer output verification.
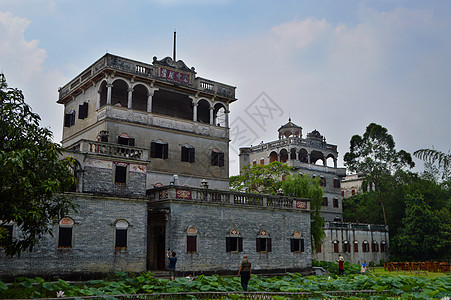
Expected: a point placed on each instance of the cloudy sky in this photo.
(335, 66)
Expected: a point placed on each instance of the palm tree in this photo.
(433, 156)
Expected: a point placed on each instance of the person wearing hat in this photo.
(363, 269)
(341, 262)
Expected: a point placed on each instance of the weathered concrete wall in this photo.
(354, 235)
(214, 222)
(93, 249)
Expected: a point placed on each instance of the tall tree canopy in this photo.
(32, 175)
(276, 176)
(374, 154)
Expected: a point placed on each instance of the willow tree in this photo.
(301, 186)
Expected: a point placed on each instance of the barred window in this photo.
(297, 242)
(263, 242)
(234, 242)
(121, 229)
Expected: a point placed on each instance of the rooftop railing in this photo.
(182, 193)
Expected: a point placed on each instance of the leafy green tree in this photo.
(277, 176)
(374, 154)
(420, 235)
(301, 186)
(265, 179)
(32, 175)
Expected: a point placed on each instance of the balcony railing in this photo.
(355, 226)
(227, 197)
(109, 149)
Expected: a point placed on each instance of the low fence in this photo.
(241, 295)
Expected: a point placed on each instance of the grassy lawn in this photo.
(379, 271)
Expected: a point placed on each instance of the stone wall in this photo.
(93, 244)
(213, 224)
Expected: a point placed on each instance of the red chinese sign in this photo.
(301, 204)
(174, 75)
(183, 194)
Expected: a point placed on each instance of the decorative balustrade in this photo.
(135, 68)
(227, 197)
(355, 226)
(115, 150)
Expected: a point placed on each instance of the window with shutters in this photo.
(234, 242)
(356, 246)
(374, 247)
(322, 181)
(383, 246)
(336, 246)
(263, 242)
(325, 202)
(262, 161)
(65, 233)
(187, 153)
(346, 247)
(297, 242)
(121, 229)
(191, 240)
(254, 162)
(69, 119)
(120, 176)
(83, 110)
(336, 202)
(336, 183)
(159, 149)
(7, 234)
(124, 139)
(365, 246)
(217, 158)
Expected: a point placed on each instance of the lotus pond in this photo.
(400, 286)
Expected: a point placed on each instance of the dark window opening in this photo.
(365, 247)
(217, 158)
(336, 183)
(336, 245)
(322, 181)
(188, 154)
(346, 247)
(159, 150)
(121, 238)
(356, 246)
(7, 235)
(121, 174)
(262, 161)
(65, 237)
(125, 141)
(191, 243)
(263, 245)
(374, 247)
(172, 104)
(336, 202)
(234, 244)
(69, 119)
(83, 110)
(325, 202)
(383, 247)
(297, 245)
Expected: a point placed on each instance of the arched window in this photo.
(293, 154)
(336, 246)
(203, 111)
(139, 97)
(346, 247)
(191, 239)
(374, 247)
(263, 242)
(383, 246)
(297, 242)
(273, 157)
(365, 246)
(356, 246)
(234, 241)
(119, 93)
(121, 229)
(65, 232)
(303, 156)
(219, 115)
(283, 155)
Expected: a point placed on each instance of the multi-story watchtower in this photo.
(159, 119)
(310, 155)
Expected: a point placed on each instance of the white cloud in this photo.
(22, 62)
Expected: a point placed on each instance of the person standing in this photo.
(341, 262)
(172, 262)
(245, 272)
(363, 269)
